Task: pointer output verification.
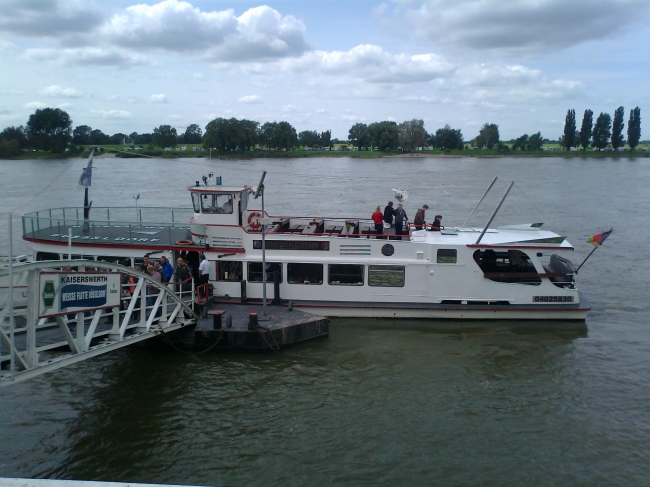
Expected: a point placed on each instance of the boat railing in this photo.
(62, 219)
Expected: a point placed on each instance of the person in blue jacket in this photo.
(167, 269)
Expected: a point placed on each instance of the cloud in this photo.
(35, 105)
(64, 106)
(112, 114)
(523, 25)
(6, 46)
(49, 18)
(56, 91)
(488, 82)
(4, 111)
(420, 99)
(89, 56)
(372, 64)
(260, 33)
(250, 99)
(159, 98)
(171, 26)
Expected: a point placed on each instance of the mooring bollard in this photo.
(252, 321)
(216, 319)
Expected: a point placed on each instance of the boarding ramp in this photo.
(31, 345)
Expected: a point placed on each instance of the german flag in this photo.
(598, 239)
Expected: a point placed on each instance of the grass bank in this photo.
(118, 151)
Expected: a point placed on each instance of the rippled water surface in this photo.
(379, 401)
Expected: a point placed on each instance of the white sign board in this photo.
(62, 293)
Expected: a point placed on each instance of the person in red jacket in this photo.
(378, 218)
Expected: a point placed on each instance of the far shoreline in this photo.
(300, 154)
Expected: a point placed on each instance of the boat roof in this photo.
(498, 237)
(217, 189)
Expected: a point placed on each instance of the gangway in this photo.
(31, 345)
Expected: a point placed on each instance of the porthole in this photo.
(388, 250)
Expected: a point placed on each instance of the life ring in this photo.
(254, 220)
(184, 242)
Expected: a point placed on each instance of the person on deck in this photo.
(227, 206)
(204, 271)
(168, 270)
(378, 218)
(145, 264)
(157, 267)
(436, 226)
(389, 213)
(419, 221)
(152, 290)
(401, 222)
(182, 273)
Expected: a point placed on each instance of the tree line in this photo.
(604, 132)
(50, 129)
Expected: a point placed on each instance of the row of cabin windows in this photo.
(308, 273)
(125, 261)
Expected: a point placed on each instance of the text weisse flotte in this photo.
(82, 295)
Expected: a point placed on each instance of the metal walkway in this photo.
(31, 346)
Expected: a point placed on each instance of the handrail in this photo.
(43, 264)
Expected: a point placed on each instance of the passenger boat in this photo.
(329, 266)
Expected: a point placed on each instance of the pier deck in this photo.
(282, 329)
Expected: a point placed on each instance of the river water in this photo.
(379, 401)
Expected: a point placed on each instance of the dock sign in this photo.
(66, 292)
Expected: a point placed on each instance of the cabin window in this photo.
(386, 275)
(216, 203)
(196, 202)
(244, 200)
(447, 256)
(304, 273)
(255, 271)
(125, 261)
(509, 266)
(229, 270)
(47, 256)
(345, 274)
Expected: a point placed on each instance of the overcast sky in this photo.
(120, 66)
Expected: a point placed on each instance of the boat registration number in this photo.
(553, 299)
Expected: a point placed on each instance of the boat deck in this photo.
(135, 234)
(155, 227)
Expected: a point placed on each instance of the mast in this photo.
(481, 200)
(496, 210)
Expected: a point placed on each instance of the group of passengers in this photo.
(396, 218)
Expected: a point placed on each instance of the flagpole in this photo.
(597, 240)
(86, 210)
(85, 180)
(583, 262)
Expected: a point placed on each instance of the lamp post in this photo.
(260, 192)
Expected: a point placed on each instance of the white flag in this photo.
(87, 173)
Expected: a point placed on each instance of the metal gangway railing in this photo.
(31, 346)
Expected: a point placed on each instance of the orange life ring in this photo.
(254, 220)
(184, 242)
